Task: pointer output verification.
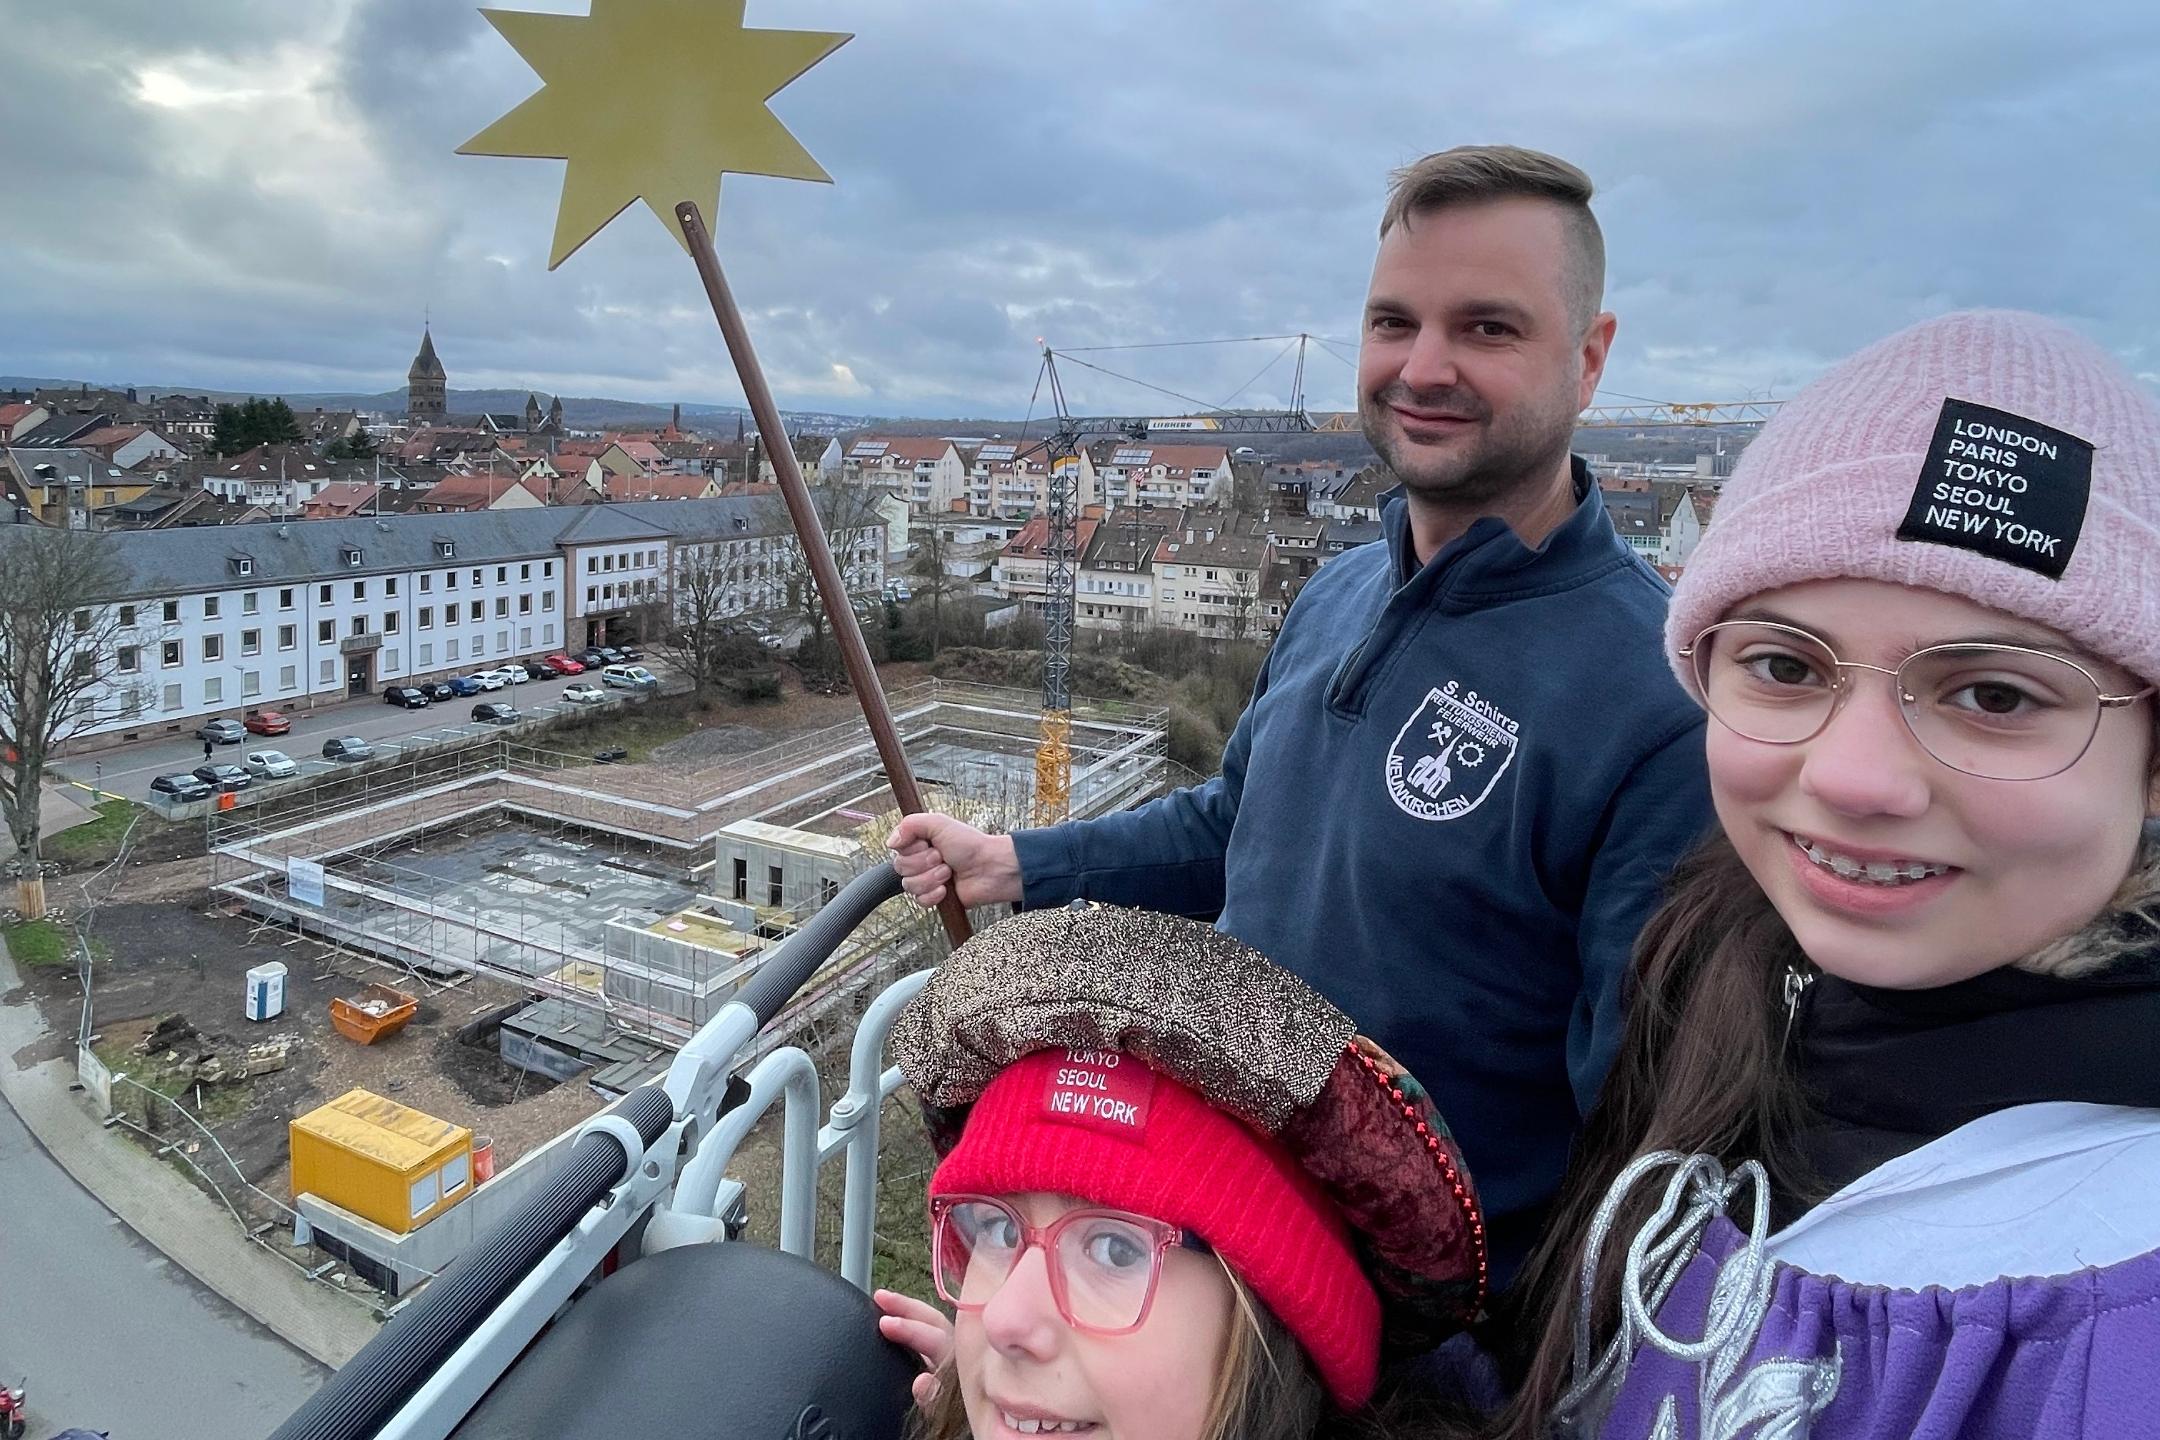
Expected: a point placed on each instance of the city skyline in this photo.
(259, 196)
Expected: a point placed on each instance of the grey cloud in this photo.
(1779, 186)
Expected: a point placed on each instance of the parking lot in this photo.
(129, 769)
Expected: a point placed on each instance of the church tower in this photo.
(426, 387)
(554, 416)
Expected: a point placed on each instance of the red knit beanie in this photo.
(1104, 1128)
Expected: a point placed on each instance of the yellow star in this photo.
(651, 100)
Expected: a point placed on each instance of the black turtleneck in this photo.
(1887, 1071)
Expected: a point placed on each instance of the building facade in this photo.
(221, 620)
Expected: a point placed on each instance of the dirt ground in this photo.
(168, 952)
(179, 959)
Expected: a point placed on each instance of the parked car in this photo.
(267, 722)
(347, 747)
(222, 732)
(583, 694)
(630, 677)
(629, 652)
(270, 765)
(465, 685)
(438, 691)
(537, 669)
(409, 697)
(222, 778)
(770, 641)
(564, 665)
(514, 674)
(180, 787)
(594, 658)
(488, 679)
(496, 712)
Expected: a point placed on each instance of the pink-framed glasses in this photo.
(1103, 1264)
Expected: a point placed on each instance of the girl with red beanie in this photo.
(1179, 1197)
(1878, 1155)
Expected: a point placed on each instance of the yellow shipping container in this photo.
(383, 1161)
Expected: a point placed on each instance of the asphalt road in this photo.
(129, 769)
(110, 1335)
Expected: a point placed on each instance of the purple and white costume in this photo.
(1888, 1310)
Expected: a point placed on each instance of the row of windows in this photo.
(250, 600)
(172, 696)
(640, 559)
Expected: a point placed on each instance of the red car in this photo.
(562, 665)
(267, 722)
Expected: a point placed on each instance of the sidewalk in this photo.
(60, 807)
(192, 1229)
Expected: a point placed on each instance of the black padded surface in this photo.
(718, 1340)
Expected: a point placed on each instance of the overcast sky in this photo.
(262, 193)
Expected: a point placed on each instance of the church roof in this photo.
(425, 363)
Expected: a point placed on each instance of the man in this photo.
(1465, 768)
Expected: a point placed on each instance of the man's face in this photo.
(1471, 372)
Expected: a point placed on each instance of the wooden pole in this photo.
(810, 533)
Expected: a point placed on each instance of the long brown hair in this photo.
(1701, 1069)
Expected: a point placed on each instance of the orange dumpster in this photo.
(374, 1013)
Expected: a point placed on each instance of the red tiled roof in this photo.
(657, 487)
(1176, 457)
(338, 499)
(1034, 538)
(909, 449)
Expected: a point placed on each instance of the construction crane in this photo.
(1053, 751)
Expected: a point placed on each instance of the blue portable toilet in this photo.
(266, 991)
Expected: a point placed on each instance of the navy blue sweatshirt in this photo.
(1450, 807)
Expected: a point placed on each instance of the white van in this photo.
(630, 677)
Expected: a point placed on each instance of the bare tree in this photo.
(1244, 588)
(853, 522)
(933, 554)
(60, 639)
(689, 626)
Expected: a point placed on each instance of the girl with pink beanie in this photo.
(1879, 1153)
(1179, 1197)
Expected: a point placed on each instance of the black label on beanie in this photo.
(2003, 486)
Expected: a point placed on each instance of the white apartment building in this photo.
(928, 473)
(220, 620)
(1209, 582)
(1142, 474)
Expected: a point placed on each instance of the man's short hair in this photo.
(1474, 174)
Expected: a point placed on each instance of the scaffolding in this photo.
(559, 875)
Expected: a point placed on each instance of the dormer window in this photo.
(446, 549)
(353, 557)
(243, 565)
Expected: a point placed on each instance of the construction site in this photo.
(634, 903)
(491, 938)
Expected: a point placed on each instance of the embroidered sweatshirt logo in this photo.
(1449, 754)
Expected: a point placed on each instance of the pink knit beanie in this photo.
(1991, 454)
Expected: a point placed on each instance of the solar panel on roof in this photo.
(997, 452)
(1131, 457)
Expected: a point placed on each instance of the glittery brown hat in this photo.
(1247, 1036)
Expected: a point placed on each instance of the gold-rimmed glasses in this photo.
(2001, 712)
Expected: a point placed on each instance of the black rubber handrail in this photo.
(356, 1402)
